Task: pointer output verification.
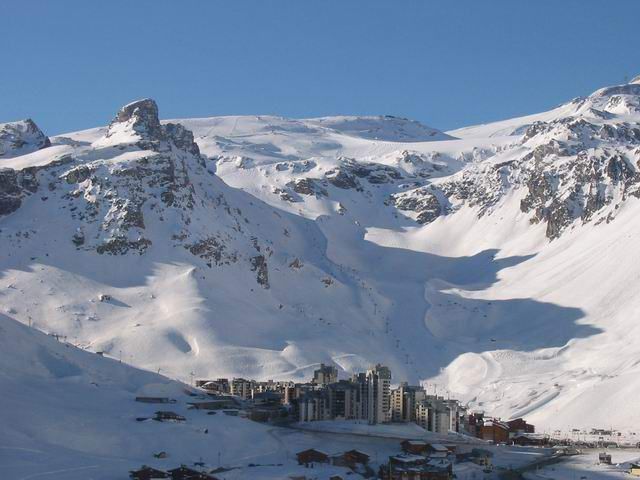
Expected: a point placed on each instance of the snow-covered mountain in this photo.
(497, 261)
(19, 138)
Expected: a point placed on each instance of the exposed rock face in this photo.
(373, 172)
(259, 265)
(19, 138)
(577, 168)
(10, 191)
(14, 185)
(422, 201)
(307, 186)
(140, 116)
(342, 177)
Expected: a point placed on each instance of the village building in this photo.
(148, 473)
(185, 473)
(350, 459)
(403, 402)
(345, 401)
(325, 375)
(519, 425)
(473, 423)
(435, 414)
(266, 397)
(241, 388)
(219, 386)
(494, 431)
(414, 447)
(379, 394)
(437, 450)
(314, 406)
(529, 440)
(310, 456)
(415, 467)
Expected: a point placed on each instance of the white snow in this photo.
(486, 308)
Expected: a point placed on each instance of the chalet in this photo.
(494, 431)
(415, 447)
(415, 467)
(147, 473)
(185, 473)
(634, 469)
(519, 425)
(161, 416)
(307, 457)
(436, 450)
(155, 400)
(350, 459)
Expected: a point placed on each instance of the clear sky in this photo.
(70, 64)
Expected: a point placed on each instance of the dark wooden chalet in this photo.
(185, 473)
(414, 447)
(147, 473)
(350, 459)
(307, 457)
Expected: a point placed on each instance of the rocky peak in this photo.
(141, 116)
(141, 119)
(635, 80)
(18, 138)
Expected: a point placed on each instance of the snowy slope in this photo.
(70, 414)
(496, 261)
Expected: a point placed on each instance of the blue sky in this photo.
(70, 64)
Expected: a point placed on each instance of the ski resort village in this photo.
(151, 270)
(231, 249)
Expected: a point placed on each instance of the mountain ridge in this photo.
(260, 246)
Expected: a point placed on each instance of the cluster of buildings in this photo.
(366, 396)
(516, 431)
(419, 460)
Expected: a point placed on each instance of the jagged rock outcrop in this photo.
(308, 186)
(574, 168)
(19, 138)
(423, 201)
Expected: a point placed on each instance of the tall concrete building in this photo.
(378, 394)
(325, 375)
(404, 400)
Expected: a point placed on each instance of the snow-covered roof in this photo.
(408, 458)
(416, 442)
(439, 447)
